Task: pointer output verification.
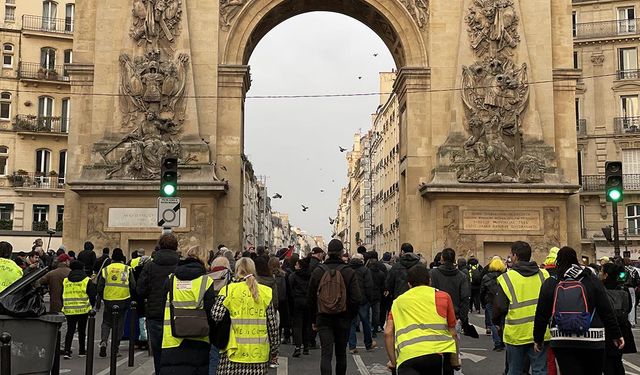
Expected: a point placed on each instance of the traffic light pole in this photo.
(616, 235)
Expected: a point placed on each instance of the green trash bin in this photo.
(33, 342)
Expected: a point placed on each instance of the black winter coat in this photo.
(365, 281)
(152, 280)
(489, 287)
(379, 276)
(354, 295)
(396, 282)
(88, 258)
(191, 357)
(449, 279)
(299, 286)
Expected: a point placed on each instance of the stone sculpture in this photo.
(229, 9)
(155, 20)
(495, 95)
(419, 10)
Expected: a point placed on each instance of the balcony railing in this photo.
(596, 182)
(47, 24)
(629, 74)
(624, 125)
(41, 124)
(30, 70)
(25, 180)
(581, 126)
(605, 29)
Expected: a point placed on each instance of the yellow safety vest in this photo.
(522, 293)
(419, 329)
(9, 273)
(187, 294)
(248, 339)
(135, 262)
(116, 282)
(75, 300)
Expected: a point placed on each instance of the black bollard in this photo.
(91, 334)
(132, 332)
(5, 354)
(55, 370)
(115, 315)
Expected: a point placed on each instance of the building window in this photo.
(64, 118)
(633, 218)
(631, 161)
(9, 13)
(4, 155)
(574, 23)
(62, 170)
(628, 63)
(629, 105)
(626, 20)
(576, 60)
(7, 55)
(59, 213)
(49, 14)
(48, 58)
(40, 212)
(68, 17)
(43, 161)
(45, 112)
(6, 216)
(5, 106)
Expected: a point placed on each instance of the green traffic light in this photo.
(169, 190)
(615, 195)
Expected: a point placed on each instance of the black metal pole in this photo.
(55, 370)
(115, 316)
(91, 334)
(5, 354)
(616, 235)
(132, 332)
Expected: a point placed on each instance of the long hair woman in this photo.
(253, 339)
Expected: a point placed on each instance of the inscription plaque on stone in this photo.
(501, 220)
(139, 217)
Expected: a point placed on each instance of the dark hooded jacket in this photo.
(396, 282)
(489, 287)
(449, 279)
(88, 258)
(152, 280)
(379, 276)
(354, 294)
(270, 281)
(191, 357)
(501, 301)
(597, 302)
(365, 282)
(299, 286)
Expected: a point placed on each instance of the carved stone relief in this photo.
(495, 95)
(597, 60)
(229, 9)
(96, 215)
(551, 238)
(463, 244)
(419, 10)
(200, 223)
(155, 20)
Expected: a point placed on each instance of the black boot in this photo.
(296, 352)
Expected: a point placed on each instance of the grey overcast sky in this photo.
(294, 142)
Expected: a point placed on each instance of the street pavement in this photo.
(477, 358)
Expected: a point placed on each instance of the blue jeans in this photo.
(214, 359)
(365, 318)
(497, 340)
(516, 357)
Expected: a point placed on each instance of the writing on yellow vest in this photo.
(187, 294)
(248, 339)
(9, 273)
(116, 282)
(75, 300)
(522, 293)
(419, 329)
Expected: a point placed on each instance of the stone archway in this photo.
(402, 27)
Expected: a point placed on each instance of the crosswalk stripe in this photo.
(629, 364)
(284, 366)
(119, 363)
(361, 366)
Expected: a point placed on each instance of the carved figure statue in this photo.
(154, 20)
(492, 26)
(229, 9)
(419, 10)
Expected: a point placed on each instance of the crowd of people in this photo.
(230, 313)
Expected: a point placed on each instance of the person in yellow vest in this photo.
(420, 334)
(254, 338)
(78, 298)
(191, 289)
(516, 301)
(115, 286)
(9, 270)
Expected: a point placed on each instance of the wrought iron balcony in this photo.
(626, 125)
(28, 70)
(630, 182)
(47, 24)
(581, 126)
(26, 180)
(629, 74)
(41, 124)
(605, 29)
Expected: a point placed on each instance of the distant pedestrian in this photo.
(221, 274)
(420, 334)
(365, 281)
(79, 296)
(396, 282)
(265, 277)
(488, 290)
(10, 272)
(33, 262)
(334, 298)
(447, 277)
(515, 303)
(283, 298)
(317, 257)
(150, 286)
(299, 286)
(102, 261)
(88, 257)
(54, 280)
(580, 315)
(475, 281)
(378, 276)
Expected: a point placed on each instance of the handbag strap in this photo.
(171, 290)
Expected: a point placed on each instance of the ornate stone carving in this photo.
(199, 226)
(229, 9)
(597, 60)
(155, 20)
(95, 228)
(495, 95)
(419, 10)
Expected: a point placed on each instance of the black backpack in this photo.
(619, 303)
(476, 276)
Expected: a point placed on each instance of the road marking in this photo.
(284, 366)
(472, 357)
(361, 366)
(65, 371)
(119, 363)
(475, 349)
(629, 364)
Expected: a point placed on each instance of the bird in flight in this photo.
(304, 208)
(322, 190)
(359, 77)
(375, 55)
(277, 196)
(331, 221)
(342, 149)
